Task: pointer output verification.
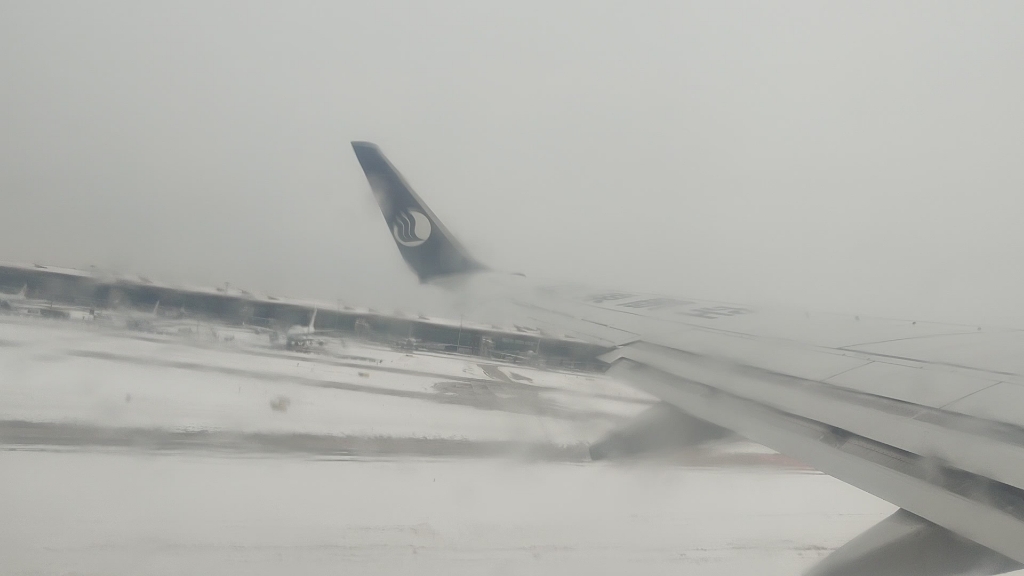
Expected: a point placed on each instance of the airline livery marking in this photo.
(411, 228)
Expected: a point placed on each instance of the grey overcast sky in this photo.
(855, 156)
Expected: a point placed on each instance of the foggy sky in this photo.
(860, 157)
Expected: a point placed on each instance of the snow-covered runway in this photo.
(127, 514)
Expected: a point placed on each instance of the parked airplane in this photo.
(7, 301)
(927, 416)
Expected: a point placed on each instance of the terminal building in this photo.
(97, 290)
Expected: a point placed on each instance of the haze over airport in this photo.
(859, 157)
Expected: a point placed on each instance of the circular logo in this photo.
(411, 228)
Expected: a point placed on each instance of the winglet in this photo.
(426, 245)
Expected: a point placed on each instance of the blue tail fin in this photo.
(426, 245)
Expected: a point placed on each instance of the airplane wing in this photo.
(927, 416)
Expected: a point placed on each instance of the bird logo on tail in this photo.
(411, 228)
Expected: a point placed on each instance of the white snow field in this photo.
(139, 454)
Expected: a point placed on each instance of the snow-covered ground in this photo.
(129, 514)
(127, 453)
(75, 373)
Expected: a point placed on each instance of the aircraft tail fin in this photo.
(426, 245)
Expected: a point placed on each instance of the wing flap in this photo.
(972, 506)
(907, 545)
(976, 446)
